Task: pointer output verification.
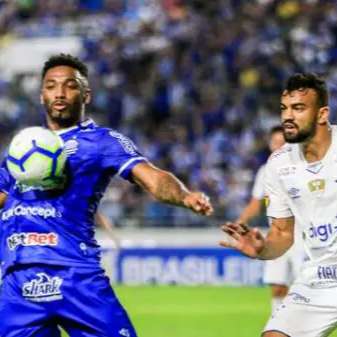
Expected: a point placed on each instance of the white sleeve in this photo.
(276, 199)
(258, 187)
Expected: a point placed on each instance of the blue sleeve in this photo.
(119, 154)
(5, 180)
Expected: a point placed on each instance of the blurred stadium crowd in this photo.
(194, 83)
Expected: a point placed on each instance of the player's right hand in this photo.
(249, 241)
(199, 203)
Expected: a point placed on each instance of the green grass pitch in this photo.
(177, 311)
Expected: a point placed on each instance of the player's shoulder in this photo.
(283, 155)
(113, 138)
(105, 133)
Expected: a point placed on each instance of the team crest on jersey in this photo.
(44, 288)
(71, 147)
(317, 185)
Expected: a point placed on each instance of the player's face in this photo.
(64, 94)
(276, 141)
(299, 113)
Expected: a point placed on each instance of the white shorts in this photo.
(306, 312)
(285, 269)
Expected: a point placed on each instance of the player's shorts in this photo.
(36, 299)
(306, 312)
(285, 269)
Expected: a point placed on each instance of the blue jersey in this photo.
(58, 228)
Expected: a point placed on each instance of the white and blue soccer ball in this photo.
(36, 157)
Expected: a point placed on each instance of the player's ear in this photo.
(87, 96)
(41, 98)
(323, 115)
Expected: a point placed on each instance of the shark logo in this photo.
(43, 289)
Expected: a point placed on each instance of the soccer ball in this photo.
(36, 157)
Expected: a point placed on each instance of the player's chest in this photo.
(307, 182)
(82, 154)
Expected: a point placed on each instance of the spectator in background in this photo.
(214, 68)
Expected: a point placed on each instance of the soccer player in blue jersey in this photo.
(51, 269)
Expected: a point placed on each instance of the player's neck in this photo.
(317, 147)
(55, 126)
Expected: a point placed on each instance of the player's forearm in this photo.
(170, 190)
(276, 244)
(252, 210)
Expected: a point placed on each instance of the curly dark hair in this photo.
(65, 60)
(304, 81)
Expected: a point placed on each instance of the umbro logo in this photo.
(124, 332)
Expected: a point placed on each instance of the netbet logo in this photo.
(32, 239)
(42, 212)
(322, 232)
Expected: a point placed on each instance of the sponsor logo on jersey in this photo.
(294, 192)
(44, 288)
(322, 232)
(299, 298)
(327, 272)
(32, 239)
(317, 185)
(43, 212)
(126, 143)
(287, 171)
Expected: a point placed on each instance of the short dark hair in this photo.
(302, 81)
(65, 60)
(275, 129)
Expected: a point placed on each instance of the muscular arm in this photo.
(279, 239)
(165, 187)
(252, 210)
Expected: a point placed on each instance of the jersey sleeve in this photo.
(119, 154)
(276, 199)
(258, 187)
(5, 180)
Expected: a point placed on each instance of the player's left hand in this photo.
(199, 203)
(249, 241)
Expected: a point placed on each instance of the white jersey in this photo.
(259, 193)
(307, 191)
(258, 187)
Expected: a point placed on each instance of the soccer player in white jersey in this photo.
(301, 185)
(281, 272)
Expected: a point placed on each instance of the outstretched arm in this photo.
(166, 187)
(251, 242)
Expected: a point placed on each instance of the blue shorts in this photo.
(36, 300)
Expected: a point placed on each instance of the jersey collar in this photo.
(86, 124)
